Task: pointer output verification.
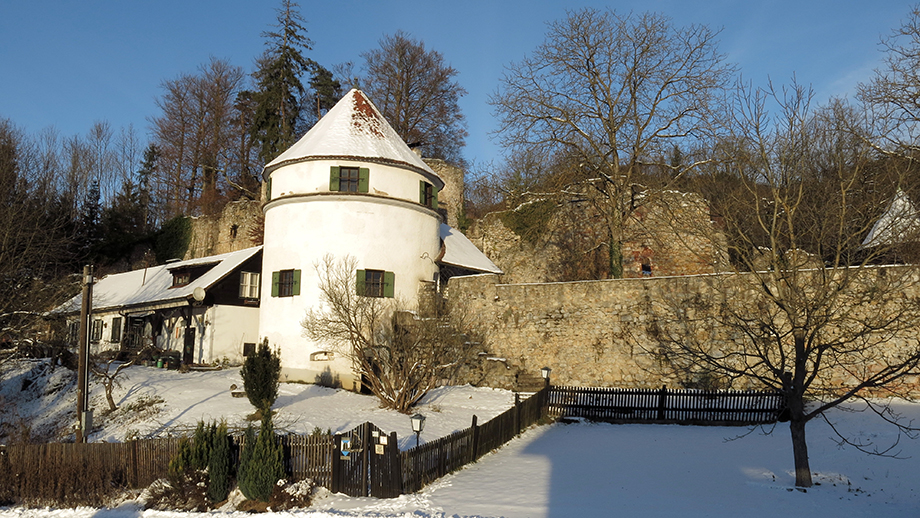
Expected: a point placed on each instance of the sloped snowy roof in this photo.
(899, 224)
(460, 251)
(153, 285)
(353, 128)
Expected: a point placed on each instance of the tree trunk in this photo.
(616, 258)
(800, 453)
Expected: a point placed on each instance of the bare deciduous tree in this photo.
(197, 134)
(614, 94)
(417, 94)
(399, 354)
(808, 311)
(894, 91)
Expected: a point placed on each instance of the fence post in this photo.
(394, 466)
(474, 448)
(517, 413)
(336, 472)
(662, 395)
(135, 483)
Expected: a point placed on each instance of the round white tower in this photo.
(349, 187)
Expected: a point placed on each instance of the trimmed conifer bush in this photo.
(219, 469)
(263, 465)
(260, 374)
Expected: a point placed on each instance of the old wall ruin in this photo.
(238, 226)
(671, 234)
(591, 333)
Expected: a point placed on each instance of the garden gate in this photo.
(365, 462)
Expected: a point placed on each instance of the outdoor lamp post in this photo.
(418, 424)
(545, 373)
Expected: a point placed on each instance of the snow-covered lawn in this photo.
(562, 469)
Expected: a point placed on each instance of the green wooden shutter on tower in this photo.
(334, 178)
(421, 192)
(364, 175)
(434, 200)
(359, 283)
(268, 189)
(276, 280)
(389, 280)
(295, 285)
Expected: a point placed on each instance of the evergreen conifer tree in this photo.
(279, 89)
(260, 377)
(246, 459)
(219, 464)
(264, 463)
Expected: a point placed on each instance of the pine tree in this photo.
(279, 88)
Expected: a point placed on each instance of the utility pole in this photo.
(84, 414)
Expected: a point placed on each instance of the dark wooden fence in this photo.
(366, 461)
(430, 461)
(696, 407)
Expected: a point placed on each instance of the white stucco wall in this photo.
(386, 229)
(234, 325)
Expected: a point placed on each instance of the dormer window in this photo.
(181, 278)
(349, 179)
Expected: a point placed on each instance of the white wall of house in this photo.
(386, 229)
(229, 327)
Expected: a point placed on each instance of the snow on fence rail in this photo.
(688, 406)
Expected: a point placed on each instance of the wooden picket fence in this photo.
(430, 461)
(373, 465)
(697, 407)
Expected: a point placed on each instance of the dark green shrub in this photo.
(201, 470)
(263, 466)
(219, 469)
(260, 377)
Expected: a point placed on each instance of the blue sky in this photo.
(69, 63)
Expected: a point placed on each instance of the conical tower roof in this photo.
(354, 129)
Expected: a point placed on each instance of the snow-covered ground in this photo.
(551, 471)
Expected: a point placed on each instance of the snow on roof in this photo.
(899, 223)
(460, 251)
(353, 128)
(153, 285)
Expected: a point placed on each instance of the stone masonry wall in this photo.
(673, 234)
(235, 228)
(591, 333)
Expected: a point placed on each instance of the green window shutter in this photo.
(295, 285)
(364, 175)
(359, 283)
(389, 280)
(268, 189)
(435, 199)
(421, 191)
(276, 280)
(334, 178)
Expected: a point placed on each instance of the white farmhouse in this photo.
(205, 310)
(349, 188)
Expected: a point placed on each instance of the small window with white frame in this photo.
(249, 285)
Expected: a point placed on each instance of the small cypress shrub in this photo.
(265, 464)
(201, 446)
(260, 374)
(219, 464)
(242, 472)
